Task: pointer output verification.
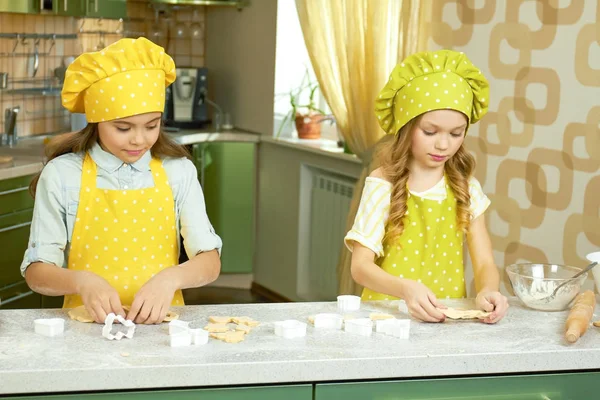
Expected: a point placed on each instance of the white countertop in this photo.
(82, 360)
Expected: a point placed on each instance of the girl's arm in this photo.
(487, 278)
(421, 301)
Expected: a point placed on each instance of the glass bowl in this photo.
(534, 283)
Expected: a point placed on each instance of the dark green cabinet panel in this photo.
(18, 296)
(110, 9)
(14, 195)
(577, 386)
(74, 8)
(300, 392)
(14, 236)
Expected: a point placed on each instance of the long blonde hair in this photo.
(395, 157)
(83, 140)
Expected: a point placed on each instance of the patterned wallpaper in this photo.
(538, 149)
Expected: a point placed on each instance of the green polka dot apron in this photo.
(428, 251)
(124, 236)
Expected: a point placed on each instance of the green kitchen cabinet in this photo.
(14, 194)
(73, 8)
(14, 236)
(296, 392)
(20, 6)
(575, 386)
(227, 173)
(19, 295)
(109, 9)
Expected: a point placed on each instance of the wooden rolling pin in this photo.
(580, 316)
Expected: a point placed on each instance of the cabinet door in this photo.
(20, 6)
(298, 392)
(110, 9)
(229, 192)
(14, 236)
(18, 296)
(575, 386)
(14, 194)
(74, 8)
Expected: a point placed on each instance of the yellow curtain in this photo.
(353, 46)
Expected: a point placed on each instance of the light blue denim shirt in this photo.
(57, 199)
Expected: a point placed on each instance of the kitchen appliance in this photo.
(186, 99)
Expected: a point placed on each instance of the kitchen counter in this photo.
(28, 154)
(526, 341)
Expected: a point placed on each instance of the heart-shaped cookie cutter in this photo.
(49, 326)
(359, 326)
(108, 325)
(290, 328)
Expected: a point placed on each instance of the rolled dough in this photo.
(81, 314)
(457, 313)
(216, 328)
(229, 337)
(380, 316)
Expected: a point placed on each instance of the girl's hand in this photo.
(99, 298)
(151, 303)
(422, 303)
(493, 302)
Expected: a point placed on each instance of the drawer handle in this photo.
(21, 189)
(13, 227)
(15, 298)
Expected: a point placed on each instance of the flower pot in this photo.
(308, 126)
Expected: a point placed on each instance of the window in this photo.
(292, 65)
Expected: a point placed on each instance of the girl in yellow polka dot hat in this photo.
(407, 238)
(112, 200)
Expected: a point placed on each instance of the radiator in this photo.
(330, 199)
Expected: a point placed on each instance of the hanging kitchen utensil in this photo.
(34, 60)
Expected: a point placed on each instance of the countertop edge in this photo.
(293, 372)
(311, 149)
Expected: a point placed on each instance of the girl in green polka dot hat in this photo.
(418, 207)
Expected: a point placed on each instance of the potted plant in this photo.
(306, 115)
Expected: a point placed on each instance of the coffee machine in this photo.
(185, 105)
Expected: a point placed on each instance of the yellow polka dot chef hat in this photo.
(432, 80)
(127, 78)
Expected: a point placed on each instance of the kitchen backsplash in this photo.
(182, 32)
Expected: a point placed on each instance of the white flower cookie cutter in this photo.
(399, 328)
(359, 326)
(108, 325)
(328, 321)
(347, 303)
(290, 328)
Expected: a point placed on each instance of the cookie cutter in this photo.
(290, 328)
(399, 328)
(108, 325)
(199, 336)
(359, 326)
(328, 321)
(177, 326)
(348, 303)
(49, 327)
(181, 338)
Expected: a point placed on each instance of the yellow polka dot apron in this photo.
(124, 236)
(428, 251)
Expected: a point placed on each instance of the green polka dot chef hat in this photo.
(432, 80)
(126, 78)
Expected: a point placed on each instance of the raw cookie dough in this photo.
(245, 321)
(216, 328)
(311, 319)
(380, 316)
(597, 323)
(229, 337)
(456, 313)
(81, 314)
(243, 328)
(220, 320)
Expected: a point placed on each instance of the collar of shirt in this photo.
(111, 164)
